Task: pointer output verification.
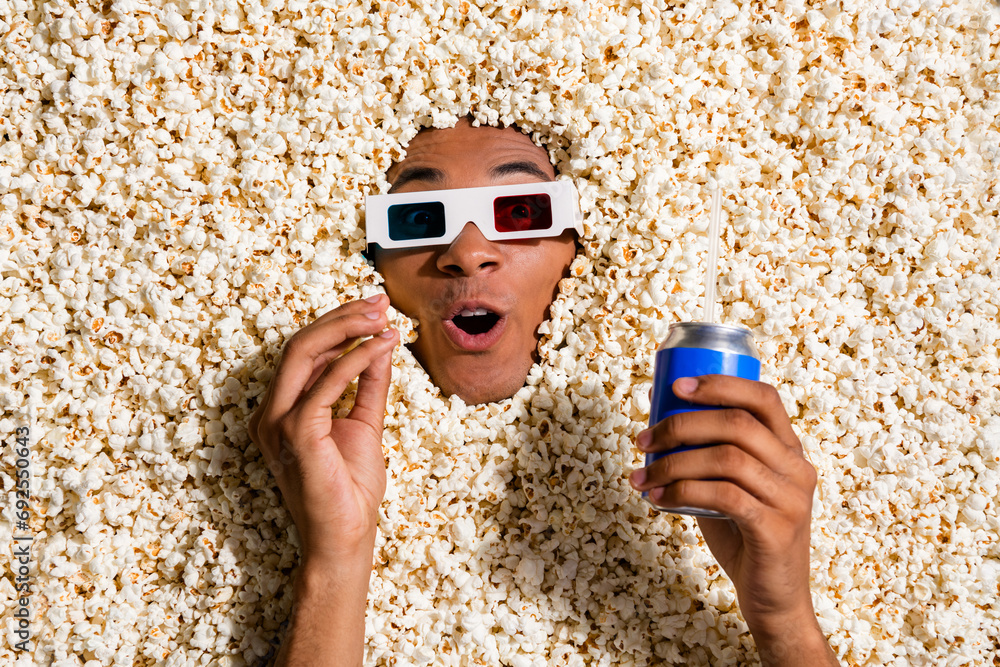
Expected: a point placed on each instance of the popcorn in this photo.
(189, 197)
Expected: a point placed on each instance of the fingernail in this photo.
(644, 439)
(686, 385)
(374, 299)
(374, 316)
(388, 333)
(638, 477)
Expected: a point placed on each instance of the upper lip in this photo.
(457, 307)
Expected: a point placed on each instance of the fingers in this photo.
(378, 301)
(720, 463)
(758, 398)
(358, 305)
(318, 342)
(739, 459)
(712, 427)
(720, 496)
(321, 362)
(373, 390)
(726, 479)
(330, 385)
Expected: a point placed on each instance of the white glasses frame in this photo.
(475, 205)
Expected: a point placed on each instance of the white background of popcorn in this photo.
(181, 189)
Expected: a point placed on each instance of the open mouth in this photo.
(474, 327)
(475, 322)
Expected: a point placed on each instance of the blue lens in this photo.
(410, 222)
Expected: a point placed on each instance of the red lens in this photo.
(522, 213)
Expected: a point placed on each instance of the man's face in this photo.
(515, 280)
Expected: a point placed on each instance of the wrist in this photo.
(777, 624)
(341, 555)
(328, 612)
(796, 641)
(347, 571)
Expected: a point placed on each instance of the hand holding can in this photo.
(757, 476)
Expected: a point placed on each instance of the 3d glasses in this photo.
(502, 213)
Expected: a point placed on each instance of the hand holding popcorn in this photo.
(756, 474)
(331, 471)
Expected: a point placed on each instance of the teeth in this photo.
(473, 313)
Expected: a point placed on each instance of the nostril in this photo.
(466, 269)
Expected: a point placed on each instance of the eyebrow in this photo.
(428, 174)
(518, 167)
(432, 175)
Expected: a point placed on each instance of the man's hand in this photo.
(758, 476)
(331, 472)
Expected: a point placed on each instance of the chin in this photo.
(476, 389)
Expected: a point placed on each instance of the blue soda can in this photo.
(691, 349)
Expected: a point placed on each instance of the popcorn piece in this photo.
(406, 326)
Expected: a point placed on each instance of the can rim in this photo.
(731, 327)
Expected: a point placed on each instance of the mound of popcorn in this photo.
(182, 189)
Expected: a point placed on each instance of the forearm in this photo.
(793, 646)
(327, 625)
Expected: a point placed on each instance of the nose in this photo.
(469, 254)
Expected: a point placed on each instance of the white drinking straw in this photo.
(711, 271)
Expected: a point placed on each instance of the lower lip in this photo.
(475, 342)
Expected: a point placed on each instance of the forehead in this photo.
(466, 151)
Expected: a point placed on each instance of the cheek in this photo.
(399, 274)
(556, 257)
(540, 271)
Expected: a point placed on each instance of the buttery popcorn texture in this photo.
(181, 189)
